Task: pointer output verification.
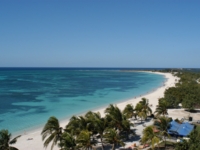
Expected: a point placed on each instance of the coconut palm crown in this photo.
(143, 109)
(52, 132)
(5, 140)
(161, 108)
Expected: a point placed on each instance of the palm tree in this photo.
(114, 117)
(76, 125)
(146, 108)
(142, 108)
(127, 128)
(91, 118)
(73, 126)
(129, 111)
(97, 123)
(117, 119)
(53, 130)
(139, 111)
(84, 140)
(68, 142)
(5, 140)
(111, 136)
(162, 125)
(150, 136)
(161, 108)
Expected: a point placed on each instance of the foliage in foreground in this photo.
(192, 144)
(51, 132)
(84, 132)
(157, 132)
(5, 140)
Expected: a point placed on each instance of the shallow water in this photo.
(28, 97)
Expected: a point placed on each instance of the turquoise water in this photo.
(28, 97)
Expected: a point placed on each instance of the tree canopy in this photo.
(186, 92)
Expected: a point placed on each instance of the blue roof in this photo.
(183, 129)
(174, 126)
(188, 125)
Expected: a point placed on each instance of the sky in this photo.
(100, 33)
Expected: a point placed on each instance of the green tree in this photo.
(194, 139)
(91, 118)
(185, 92)
(162, 125)
(68, 142)
(111, 136)
(76, 125)
(184, 145)
(117, 119)
(127, 128)
(5, 140)
(143, 109)
(150, 136)
(129, 111)
(97, 124)
(146, 108)
(84, 140)
(173, 96)
(192, 143)
(161, 108)
(52, 132)
(139, 111)
(189, 101)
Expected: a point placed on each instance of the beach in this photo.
(32, 140)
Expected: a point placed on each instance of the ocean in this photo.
(29, 96)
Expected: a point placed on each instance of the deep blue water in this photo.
(29, 96)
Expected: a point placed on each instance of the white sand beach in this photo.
(32, 140)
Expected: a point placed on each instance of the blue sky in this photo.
(100, 33)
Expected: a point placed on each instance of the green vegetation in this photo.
(186, 92)
(161, 109)
(129, 111)
(150, 136)
(161, 124)
(118, 120)
(53, 130)
(192, 143)
(162, 145)
(111, 136)
(156, 133)
(143, 109)
(84, 132)
(5, 140)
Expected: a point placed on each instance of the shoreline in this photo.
(152, 96)
(65, 119)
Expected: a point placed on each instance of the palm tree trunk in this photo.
(158, 146)
(113, 147)
(102, 143)
(136, 117)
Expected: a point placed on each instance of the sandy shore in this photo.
(36, 142)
